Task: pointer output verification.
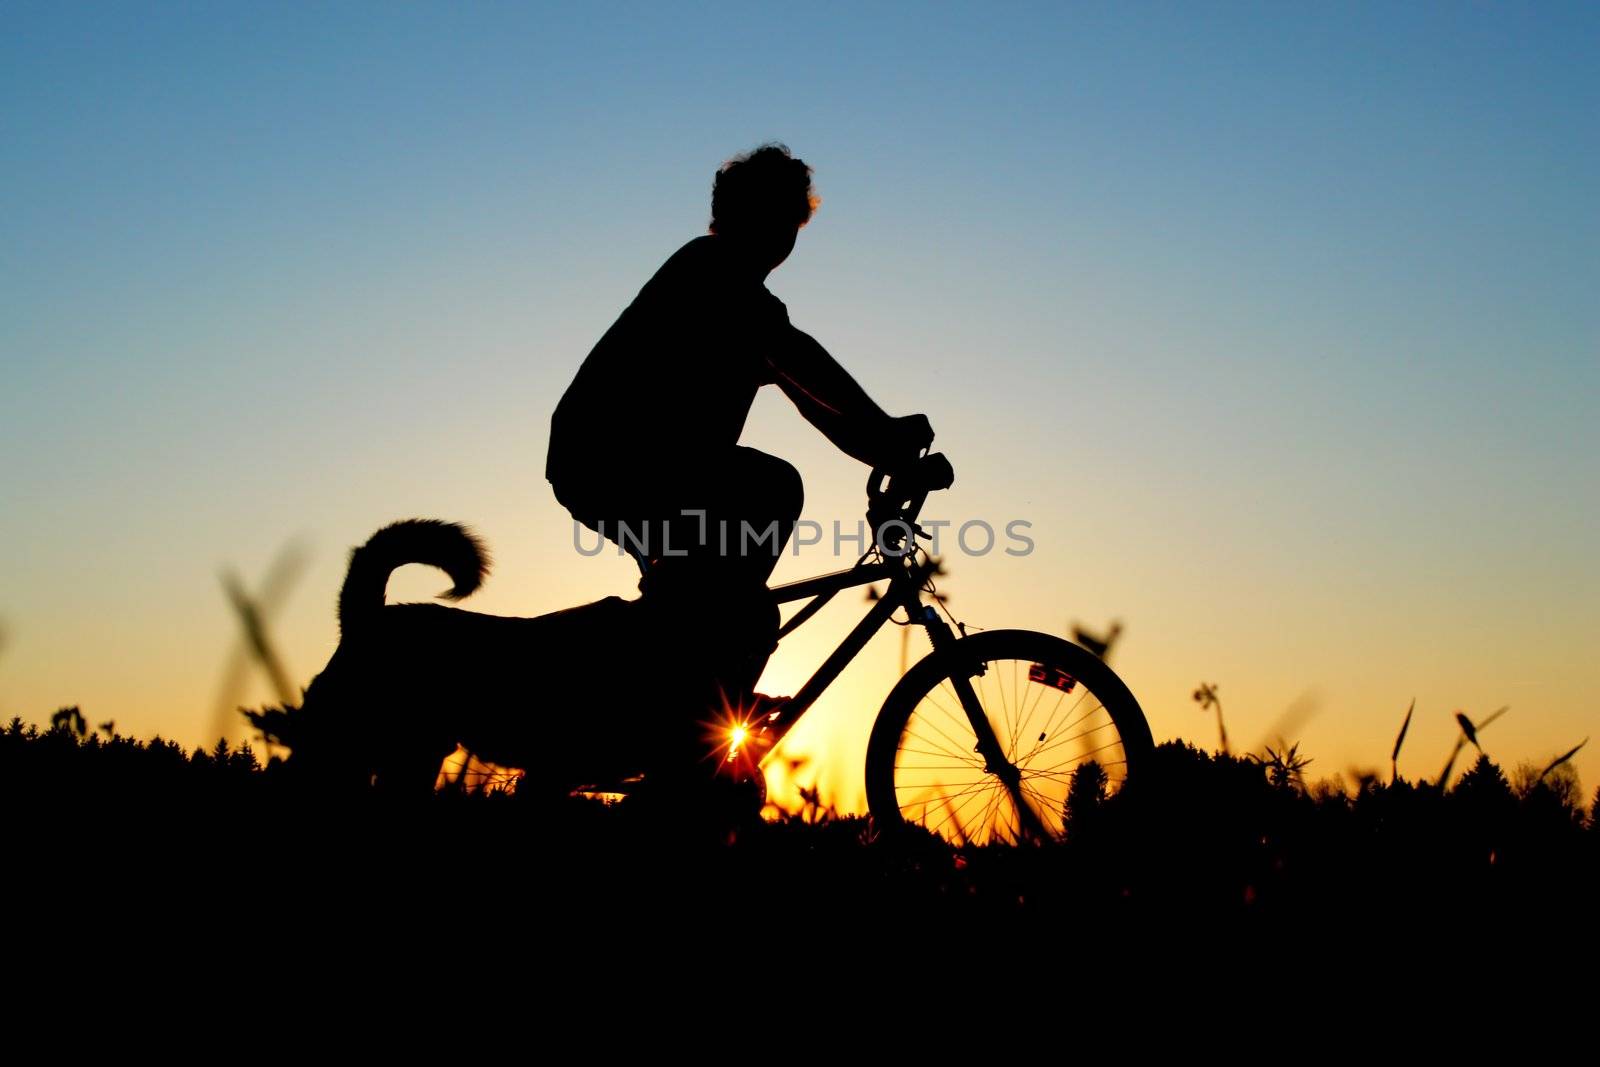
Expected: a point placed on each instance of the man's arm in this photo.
(832, 402)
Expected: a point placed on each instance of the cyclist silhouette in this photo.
(644, 443)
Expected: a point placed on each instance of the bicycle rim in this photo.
(1060, 717)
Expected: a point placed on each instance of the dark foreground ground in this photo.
(113, 843)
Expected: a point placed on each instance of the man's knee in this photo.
(778, 483)
(792, 491)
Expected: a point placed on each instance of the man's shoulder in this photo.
(701, 271)
(689, 267)
(703, 250)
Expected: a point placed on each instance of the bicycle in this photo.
(963, 745)
(978, 742)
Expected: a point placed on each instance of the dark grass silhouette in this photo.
(1209, 846)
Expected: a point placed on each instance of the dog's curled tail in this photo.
(445, 545)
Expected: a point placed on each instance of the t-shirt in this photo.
(674, 376)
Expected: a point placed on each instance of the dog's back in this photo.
(410, 682)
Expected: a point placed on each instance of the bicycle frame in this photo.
(892, 513)
(907, 568)
(906, 575)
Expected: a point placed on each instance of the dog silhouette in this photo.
(570, 697)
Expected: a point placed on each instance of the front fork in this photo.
(944, 638)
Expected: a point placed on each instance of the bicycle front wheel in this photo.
(1056, 713)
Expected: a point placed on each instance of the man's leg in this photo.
(752, 502)
(708, 537)
(761, 497)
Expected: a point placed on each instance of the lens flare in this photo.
(736, 739)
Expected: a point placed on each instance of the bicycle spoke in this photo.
(958, 788)
(1013, 832)
(1032, 772)
(1045, 808)
(1058, 742)
(952, 812)
(936, 755)
(1074, 737)
(1048, 723)
(963, 722)
(992, 670)
(1015, 801)
(1074, 762)
(980, 693)
(1007, 723)
(1081, 756)
(1063, 778)
(1064, 771)
(930, 791)
(959, 720)
(954, 753)
(975, 765)
(946, 773)
(956, 697)
(1066, 724)
(1085, 716)
(1016, 727)
(935, 728)
(1102, 748)
(1039, 701)
(1032, 707)
(1047, 799)
(990, 810)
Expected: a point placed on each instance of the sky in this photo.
(1276, 322)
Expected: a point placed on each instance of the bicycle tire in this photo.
(922, 765)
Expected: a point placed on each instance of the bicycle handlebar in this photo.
(895, 498)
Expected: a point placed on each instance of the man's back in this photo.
(674, 377)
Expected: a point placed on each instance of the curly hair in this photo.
(760, 188)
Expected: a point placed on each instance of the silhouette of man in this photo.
(644, 443)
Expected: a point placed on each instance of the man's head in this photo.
(761, 199)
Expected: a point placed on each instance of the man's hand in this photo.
(934, 472)
(905, 440)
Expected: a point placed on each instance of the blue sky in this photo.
(1277, 321)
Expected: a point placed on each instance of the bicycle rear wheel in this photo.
(1054, 708)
